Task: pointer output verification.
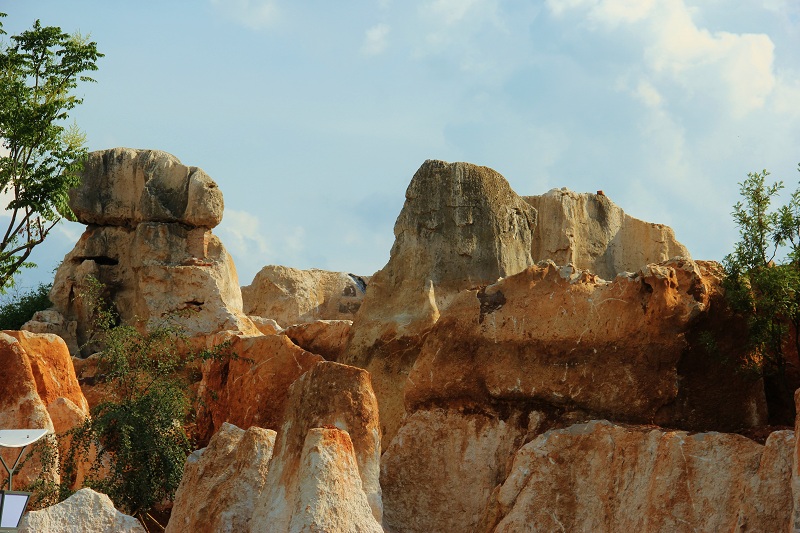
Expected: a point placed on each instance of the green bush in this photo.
(18, 307)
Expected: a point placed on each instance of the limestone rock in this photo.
(603, 477)
(124, 187)
(590, 232)
(566, 338)
(38, 390)
(86, 511)
(266, 326)
(330, 497)
(152, 266)
(441, 468)
(333, 396)
(461, 226)
(221, 484)
(252, 388)
(292, 296)
(51, 321)
(327, 338)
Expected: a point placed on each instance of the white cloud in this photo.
(450, 11)
(253, 14)
(375, 40)
(737, 68)
(243, 232)
(648, 94)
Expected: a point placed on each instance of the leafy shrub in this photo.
(19, 307)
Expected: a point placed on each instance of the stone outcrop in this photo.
(149, 242)
(565, 338)
(293, 296)
(222, 483)
(592, 233)
(86, 511)
(38, 390)
(451, 214)
(604, 477)
(335, 397)
(251, 388)
(441, 468)
(327, 338)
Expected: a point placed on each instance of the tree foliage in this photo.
(18, 307)
(136, 441)
(763, 283)
(39, 69)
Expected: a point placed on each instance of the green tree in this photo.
(39, 69)
(18, 308)
(763, 284)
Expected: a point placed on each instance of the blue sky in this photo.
(313, 116)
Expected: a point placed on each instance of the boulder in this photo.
(440, 469)
(86, 511)
(51, 321)
(251, 388)
(327, 338)
(331, 396)
(604, 477)
(124, 187)
(222, 482)
(149, 243)
(39, 390)
(293, 296)
(592, 233)
(565, 338)
(266, 326)
(461, 226)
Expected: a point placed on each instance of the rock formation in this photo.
(604, 477)
(328, 396)
(292, 296)
(86, 511)
(252, 387)
(327, 338)
(222, 483)
(451, 214)
(590, 232)
(149, 242)
(38, 390)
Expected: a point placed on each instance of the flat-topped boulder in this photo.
(125, 186)
(294, 296)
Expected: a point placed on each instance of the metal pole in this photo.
(13, 468)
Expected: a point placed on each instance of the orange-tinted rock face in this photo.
(329, 395)
(251, 389)
(38, 390)
(327, 338)
(566, 338)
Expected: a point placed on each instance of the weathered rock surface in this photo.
(51, 321)
(293, 296)
(222, 483)
(149, 242)
(604, 477)
(565, 338)
(592, 233)
(38, 390)
(461, 226)
(124, 187)
(441, 468)
(330, 496)
(252, 388)
(327, 338)
(86, 511)
(332, 396)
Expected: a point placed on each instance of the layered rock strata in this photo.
(451, 212)
(149, 242)
(592, 233)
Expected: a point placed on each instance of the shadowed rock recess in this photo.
(540, 363)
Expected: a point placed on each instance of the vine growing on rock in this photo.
(763, 285)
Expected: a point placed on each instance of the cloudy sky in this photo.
(313, 116)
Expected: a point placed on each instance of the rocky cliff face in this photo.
(592, 233)
(148, 240)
